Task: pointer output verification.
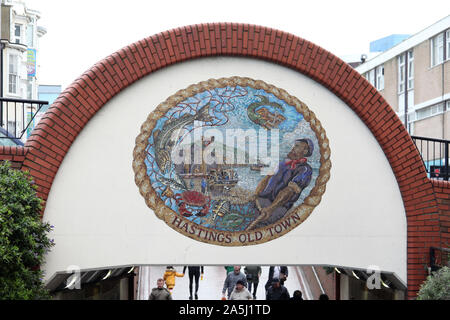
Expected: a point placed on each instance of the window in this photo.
(30, 33)
(447, 37)
(430, 111)
(12, 76)
(17, 33)
(401, 73)
(437, 49)
(380, 77)
(410, 70)
(372, 77)
(437, 108)
(12, 128)
(30, 88)
(423, 113)
(411, 117)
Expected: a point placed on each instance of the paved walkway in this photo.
(211, 286)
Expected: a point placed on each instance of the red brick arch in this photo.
(53, 136)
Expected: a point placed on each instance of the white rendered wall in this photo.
(101, 220)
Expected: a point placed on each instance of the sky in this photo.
(82, 32)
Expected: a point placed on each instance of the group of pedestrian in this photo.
(237, 285)
(235, 276)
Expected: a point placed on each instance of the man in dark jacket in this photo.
(160, 293)
(280, 272)
(277, 291)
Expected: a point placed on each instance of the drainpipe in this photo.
(406, 91)
(1, 68)
(1, 82)
(443, 92)
(445, 54)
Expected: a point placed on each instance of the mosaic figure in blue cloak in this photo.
(277, 193)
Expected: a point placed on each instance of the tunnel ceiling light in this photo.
(72, 282)
(107, 275)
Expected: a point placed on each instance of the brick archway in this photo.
(53, 136)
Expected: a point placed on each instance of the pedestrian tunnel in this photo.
(166, 153)
(208, 282)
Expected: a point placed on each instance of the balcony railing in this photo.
(16, 116)
(435, 156)
(438, 258)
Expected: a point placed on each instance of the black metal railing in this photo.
(439, 258)
(435, 156)
(16, 115)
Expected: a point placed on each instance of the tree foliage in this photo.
(437, 286)
(23, 237)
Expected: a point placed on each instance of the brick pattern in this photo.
(14, 155)
(52, 138)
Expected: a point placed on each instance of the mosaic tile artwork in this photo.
(232, 161)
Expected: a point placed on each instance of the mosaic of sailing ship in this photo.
(228, 195)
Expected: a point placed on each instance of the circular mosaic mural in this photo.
(232, 161)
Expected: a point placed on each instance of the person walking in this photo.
(279, 272)
(194, 273)
(204, 185)
(231, 280)
(169, 277)
(229, 269)
(277, 291)
(297, 296)
(253, 273)
(323, 296)
(160, 293)
(240, 292)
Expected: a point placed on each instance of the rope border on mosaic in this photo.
(164, 213)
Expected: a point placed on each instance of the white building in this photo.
(20, 35)
(414, 78)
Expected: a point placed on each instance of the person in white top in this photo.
(240, 292)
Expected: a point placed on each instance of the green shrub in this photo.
(437, 286)
(23, 237)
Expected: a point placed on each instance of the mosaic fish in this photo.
(162, 138)
(176, 183)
